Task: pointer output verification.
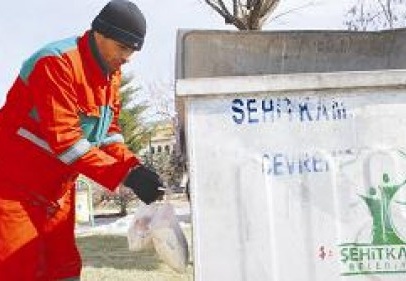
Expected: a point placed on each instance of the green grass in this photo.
(106, 257)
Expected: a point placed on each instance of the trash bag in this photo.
(168, 238)
(139, 232)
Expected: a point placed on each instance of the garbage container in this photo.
(297, 176)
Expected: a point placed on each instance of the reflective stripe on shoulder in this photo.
(69, 156)
(33, 138)
(114, 138)
(75, 151)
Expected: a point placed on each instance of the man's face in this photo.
(114, 53)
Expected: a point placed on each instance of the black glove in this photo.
(145, 184)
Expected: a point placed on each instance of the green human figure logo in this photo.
(379, 201)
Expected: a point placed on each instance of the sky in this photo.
(28, 25)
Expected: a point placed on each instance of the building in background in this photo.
(162, 154)
(162, 140)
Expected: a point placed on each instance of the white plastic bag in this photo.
(168, 238)
(139, 232)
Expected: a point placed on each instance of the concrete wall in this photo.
(286, 167)
(237, 53)
(277, 222)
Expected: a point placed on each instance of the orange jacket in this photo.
(61, 119)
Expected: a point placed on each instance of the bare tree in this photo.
(161, 100)
(376, 14)
(244, 14)
(169, 165)
(249, 14)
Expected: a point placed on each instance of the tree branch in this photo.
(294, 10)
(214, 7)
(222, 10)
(387, 12)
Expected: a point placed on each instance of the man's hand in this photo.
(145, 184)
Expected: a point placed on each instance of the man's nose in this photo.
(125, 57)
(125, 60)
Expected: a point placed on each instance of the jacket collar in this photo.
(92, 60)
(96, 53)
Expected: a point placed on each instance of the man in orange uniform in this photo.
(61, 119)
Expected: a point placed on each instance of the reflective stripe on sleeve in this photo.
(75, 151)
(112, 139)
(69, 156)
(33, 138)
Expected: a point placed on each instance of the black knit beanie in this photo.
(121, 20)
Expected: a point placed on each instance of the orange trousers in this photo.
(37, 240)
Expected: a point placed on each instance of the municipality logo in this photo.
(386, 253)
